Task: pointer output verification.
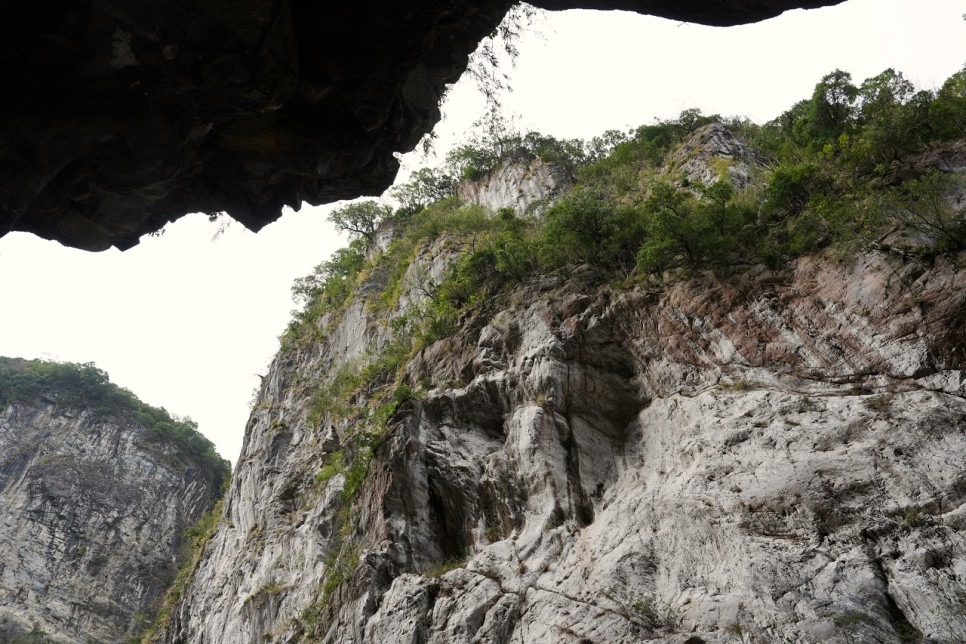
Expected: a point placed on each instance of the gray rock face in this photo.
(528, 187)
(713, 152)
(91, 524)
(770, 457)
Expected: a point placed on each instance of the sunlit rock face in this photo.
(91, 523)
(119, 117)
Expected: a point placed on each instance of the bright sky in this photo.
(188, 323)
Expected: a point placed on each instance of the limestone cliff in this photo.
(94, 507)
(758, 456)
(527, 186)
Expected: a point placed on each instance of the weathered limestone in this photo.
(93, 515)
(776, 456)
(528, 187)
(763, 456)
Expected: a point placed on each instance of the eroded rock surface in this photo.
(527, 186)
(771, 456)
(119, 117)
(93, 516)
(712, 153)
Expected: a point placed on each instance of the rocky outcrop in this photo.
(120, 117)
(93, 515)
(527, 186)
(713, 152)
(766, 456)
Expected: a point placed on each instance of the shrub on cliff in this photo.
(921, 205)
(840, 171)
(589, 226)
(705, 227)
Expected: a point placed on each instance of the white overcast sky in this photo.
(188, 323)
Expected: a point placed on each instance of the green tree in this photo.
(589, 225)
(620, 169)
(671, 229)
(426, 186)
(880, 94)
(832, 107)
(514, 249)
(333, 277)
(923, 205)
(485, 63)
(360, 220)
(793, 126)
(790, 188)
(694, 230)
(602, 145)
(490, 140)
(566, 153)
(689, 120)
(947, 113)
(893, 122)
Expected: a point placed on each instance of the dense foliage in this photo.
(839, 170)
(87, 387)
(845, 165)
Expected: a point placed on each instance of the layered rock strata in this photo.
(767, 456)
(92, 522)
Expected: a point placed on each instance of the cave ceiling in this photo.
(120, 116)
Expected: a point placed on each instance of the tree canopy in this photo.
(360, 219)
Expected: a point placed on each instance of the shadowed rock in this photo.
(120, 117)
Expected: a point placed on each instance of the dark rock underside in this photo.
(119, 117)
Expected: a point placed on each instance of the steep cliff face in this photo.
(786, 467)
(770, 455)
(93, 514)
(528, 187)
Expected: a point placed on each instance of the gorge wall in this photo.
(757, 456)
(94, 510)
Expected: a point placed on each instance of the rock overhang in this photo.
(121, 117)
